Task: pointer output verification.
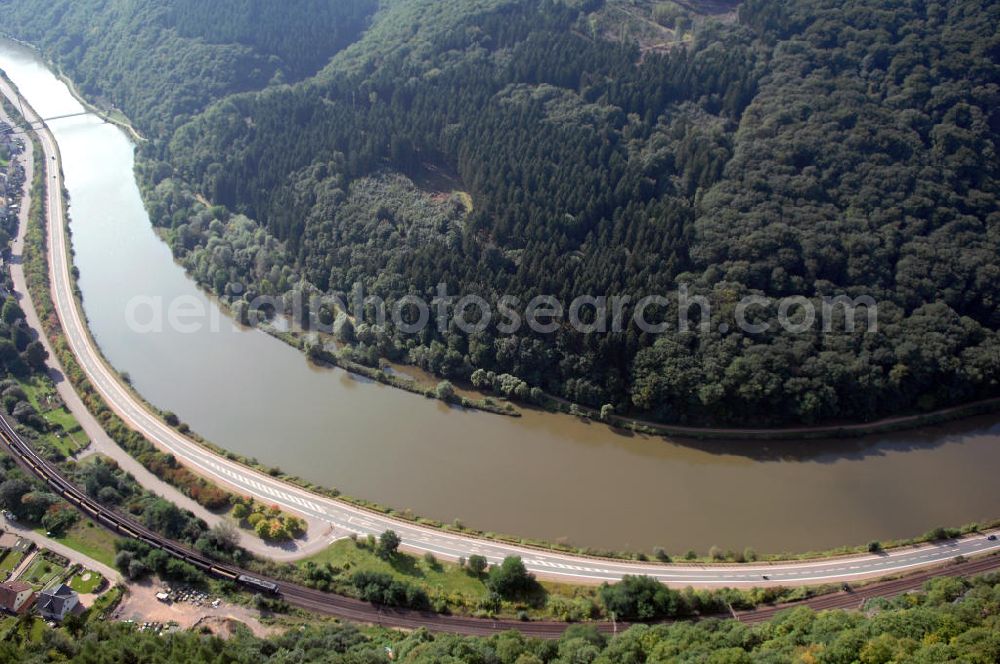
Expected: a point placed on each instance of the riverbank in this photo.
(748, 600)
(819, 432)
(321, 357)
(498, 394)
(445, 437)
(184, 488)
(111, 116)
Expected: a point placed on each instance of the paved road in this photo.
(317, 536)
(346, 518)
(41, 541)
(360, 611)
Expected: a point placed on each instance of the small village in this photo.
(11, 175)
(43, 581)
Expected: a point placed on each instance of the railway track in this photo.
(306, 598)
(356, 610)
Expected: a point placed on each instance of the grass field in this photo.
(42, 572)
(104, 602)
(9, 627)
(440, 579)
(67, 442)
(63, 418)
(11, 560)
(86, 581)
(91, 540)
(42, 395)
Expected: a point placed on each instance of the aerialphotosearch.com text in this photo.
(681, 311)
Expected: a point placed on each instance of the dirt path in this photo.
(23, 565)
(72, 555)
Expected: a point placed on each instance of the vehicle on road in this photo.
(992, 538)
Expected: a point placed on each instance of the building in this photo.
(16, 596)
(55, 603)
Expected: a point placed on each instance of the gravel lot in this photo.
(189, 609)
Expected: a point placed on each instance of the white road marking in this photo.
(350, 518)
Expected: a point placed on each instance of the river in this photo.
(542, 475)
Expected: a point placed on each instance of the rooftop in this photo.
(16, 586)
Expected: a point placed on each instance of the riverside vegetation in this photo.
(22, 374)
(368, 582)
(808, 147)
(950, 621)
(503, 383)
(394, 580)
(164, 466)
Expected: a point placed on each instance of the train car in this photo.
(106, 518)
(225, 573)
(63, 487)
(127, 531)
(197, 562)
(259, 584)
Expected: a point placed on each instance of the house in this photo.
(55, 603)
(16, 596)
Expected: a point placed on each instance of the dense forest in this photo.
(952, 621)
(510, 147)
(164, 61)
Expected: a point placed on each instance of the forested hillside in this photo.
(953, 621)
(164, 60)
(807, 147)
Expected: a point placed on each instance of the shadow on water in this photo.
(967, 430)
(831, 450)
(541, 475)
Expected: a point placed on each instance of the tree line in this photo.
(813, 148)
(950, 620)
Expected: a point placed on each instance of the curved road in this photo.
(317, 537)
(345, 518)
(360, 611)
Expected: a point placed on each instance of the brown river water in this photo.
(543, 476)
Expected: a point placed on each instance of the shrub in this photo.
(381, 588)
(59, 518)
(477, 564)
(510, 578)
(641, 598)
(388, 545)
